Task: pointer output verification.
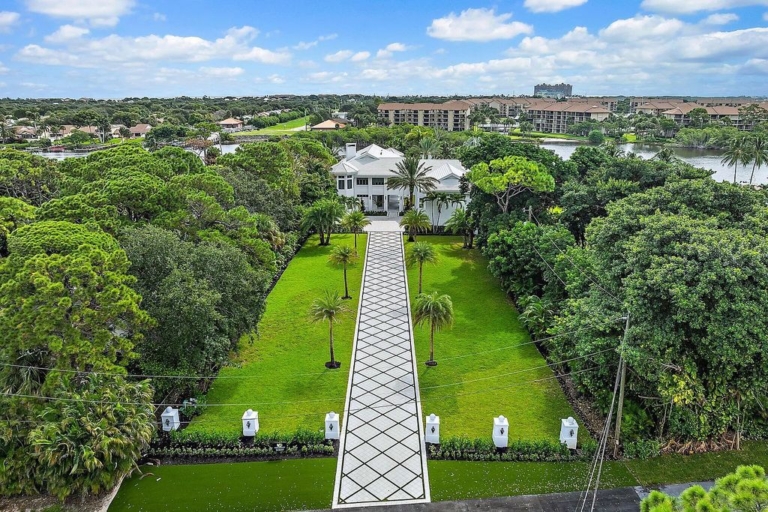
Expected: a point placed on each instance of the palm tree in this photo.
(757, 153)
(323, 216)
(525, 127)
(415, 221)
(411, 175)
(355, 222)
(735, 154)
(327, 309)
(460, 224)
(421, 253)
(437, 310)
(665, 155)
(537, 315)
(429, 147)
(343, 255)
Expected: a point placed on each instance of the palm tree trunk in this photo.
(355, 231)
(753, 172)
(432, 342)
(333, 359)
(734, 172)
(421, 266)
(411, 198)
(346, 288)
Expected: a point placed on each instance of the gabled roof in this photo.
(141, 128)
(230, 120)
(330, 124)
(445, 169)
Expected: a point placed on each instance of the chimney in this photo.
(351, 150)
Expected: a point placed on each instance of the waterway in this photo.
(704, 158)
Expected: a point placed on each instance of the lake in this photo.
(704, 158)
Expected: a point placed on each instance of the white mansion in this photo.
(363, 174)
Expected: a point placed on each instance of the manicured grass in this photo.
(279, 128)
(485, 320)
(460, 480)
(245, 486)
(282, 374)
(671, 469)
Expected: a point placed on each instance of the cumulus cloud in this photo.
(65, 34)
(99, 13)
(339, 56)
(158, 16)
(7, 20)
(692, 6)
(642, 28)
(94, 52)
(3, 69)
(552, 5)
(221, 72)
(477, 25)
(720, 19)
(360, 56)
(391, 48)
(306, 46)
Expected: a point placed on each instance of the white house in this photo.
(363, 174)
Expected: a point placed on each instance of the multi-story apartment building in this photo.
(553, 90)
(557, 117)
(452, 115)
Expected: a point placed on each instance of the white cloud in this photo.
(221, 72)
(720, 19)
(692, 6)
(642, 28)
(765, 16)
(276, 79)
(477, 25)
(158, 16)
(306, 46)
(552, 5)
(3, 69)
(339, 56)
(65, 34)
(99, 13)
(360, 56)
(100, 52)
(325, 77)
(7, 20)
(388, 50)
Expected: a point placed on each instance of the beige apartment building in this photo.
(451, 115)
(557, 117)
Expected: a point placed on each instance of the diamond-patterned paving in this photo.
(381, 457)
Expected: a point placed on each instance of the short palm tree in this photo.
(415, 221)
(421, 253)
(735, 154)
(327, 309)
(411, 175)
(355, 222)
(437, 311)
(343, 255)
(323, 216)
(757, 153)
(460, 224)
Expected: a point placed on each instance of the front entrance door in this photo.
(393, 203)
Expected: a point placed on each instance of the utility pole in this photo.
(623, 370)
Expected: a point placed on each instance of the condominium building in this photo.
(553, 90)
(557, 117)
(452, 115)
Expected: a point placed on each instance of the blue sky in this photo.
(119, 48)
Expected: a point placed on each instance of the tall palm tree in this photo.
(327, 309)
(343, 255)
(421, 253)
(415, 221)
(460, 224)
(757, 152)
(735, 154)
(437, 311)
(439, 199)
(355, 222)
(429, 147)
(411, 175)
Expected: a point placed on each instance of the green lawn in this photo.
(279, 128)
(299, 484)
(485, 320)
(459, 480)
(282, 375)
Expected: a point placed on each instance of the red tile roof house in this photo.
(140, 130)
(231, 124)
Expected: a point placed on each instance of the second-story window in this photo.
(362, 181)
(341, 184)
(377, 181)
(349, 183)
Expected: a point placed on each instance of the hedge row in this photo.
(463, 448)
(243, 451)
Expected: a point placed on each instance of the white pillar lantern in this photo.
(170, 419)
(250, 423)
(500, 432)
(569, 432)
(331, 425)
(433, 429)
